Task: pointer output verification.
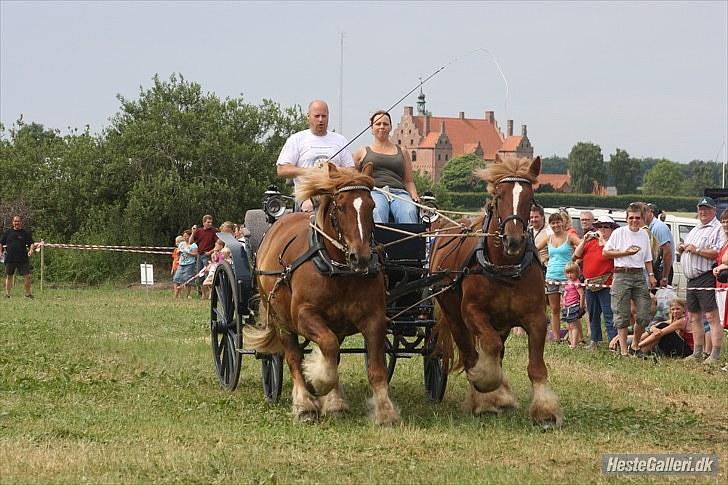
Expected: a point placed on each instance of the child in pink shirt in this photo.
(571, 303)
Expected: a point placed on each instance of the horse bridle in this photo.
(513, 217)
(341, 244)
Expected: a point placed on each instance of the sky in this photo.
(646, 77)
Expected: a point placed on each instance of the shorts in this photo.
(553, 288)
(699, 301)
(184, 273)
(628, 287)
(22, 268)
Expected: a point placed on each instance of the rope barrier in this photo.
(593, 285)
(99, 247)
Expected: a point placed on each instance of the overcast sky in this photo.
(647, 77)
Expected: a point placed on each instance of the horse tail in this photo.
(264, 338)
(444, 343)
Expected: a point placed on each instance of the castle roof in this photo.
(462, 132)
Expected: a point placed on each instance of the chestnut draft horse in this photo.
(324, 283)
(499, 284)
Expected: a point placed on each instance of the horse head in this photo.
(345, 212)
(510, 184)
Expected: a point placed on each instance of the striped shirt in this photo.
(702, 236)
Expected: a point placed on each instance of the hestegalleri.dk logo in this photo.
(660, 463)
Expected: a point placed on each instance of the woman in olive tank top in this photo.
(392, 170)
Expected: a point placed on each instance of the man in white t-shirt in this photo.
(313, 147)
(629, 246)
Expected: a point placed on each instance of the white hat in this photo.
(606, 220)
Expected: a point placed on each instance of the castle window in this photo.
(409, 132)
(399, 142)
(438, 157)
(446, 157)
(412, 142)
(414, 156)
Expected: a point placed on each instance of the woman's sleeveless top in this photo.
(558, 257)
(388, 169)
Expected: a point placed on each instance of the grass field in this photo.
(117, 385)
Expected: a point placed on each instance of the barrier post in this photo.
(42, 264)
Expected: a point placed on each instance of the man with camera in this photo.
(597, 271)
(312, 147)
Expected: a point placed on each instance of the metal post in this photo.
(42, 263)
(341, 87)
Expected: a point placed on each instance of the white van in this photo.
(679, 226)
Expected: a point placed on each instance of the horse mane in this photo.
(510, 167)
(324, 181)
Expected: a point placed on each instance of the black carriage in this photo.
(234, 303)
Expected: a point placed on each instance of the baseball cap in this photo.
(707, 201)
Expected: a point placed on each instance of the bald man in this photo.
(312, 147)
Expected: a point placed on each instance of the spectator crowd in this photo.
(198, 252)
(619, 279)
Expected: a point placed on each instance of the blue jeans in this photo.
(202, 260)
(402, 211)
(597, 304)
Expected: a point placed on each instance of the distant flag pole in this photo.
(341, 85)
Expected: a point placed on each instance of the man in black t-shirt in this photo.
(16, 245)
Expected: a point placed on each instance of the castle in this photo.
(432, 141)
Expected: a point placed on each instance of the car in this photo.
(679, 227)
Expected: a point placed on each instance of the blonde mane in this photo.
(511, 167)
(324, 181)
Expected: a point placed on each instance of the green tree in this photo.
(554, 164)
(663, 178)
(423, 182)
(625, 172)
(586, 165)
(457, 176)
(201, 153)
(698, 175)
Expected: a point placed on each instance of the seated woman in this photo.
(672, 337)
(392, 172)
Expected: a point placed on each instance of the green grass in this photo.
(117, 385)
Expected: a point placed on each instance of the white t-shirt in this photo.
(623, 238)
(304, 149)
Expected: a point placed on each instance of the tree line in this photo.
(586, 164)
(168, 157)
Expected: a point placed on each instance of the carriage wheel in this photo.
(435, 378)
(225, 331)
(271, 367)
(391, 344)
(434, 371)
